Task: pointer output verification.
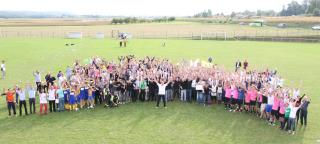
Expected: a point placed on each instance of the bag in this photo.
(57, 101)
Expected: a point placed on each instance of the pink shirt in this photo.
(259, 97)
(282, 107)
(228, 93)
(248, 95)
(253, 96)
(275, 105)
(235, 93)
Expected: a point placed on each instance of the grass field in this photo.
(141, 122)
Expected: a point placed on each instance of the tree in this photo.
(316, 12)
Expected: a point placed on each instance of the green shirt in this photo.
(60, 93)
(143, 84)
(287, 112)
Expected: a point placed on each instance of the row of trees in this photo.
(310, 7)
(141, 20)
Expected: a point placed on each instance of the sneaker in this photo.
(157, 107)
(292, 133)
(165, 107)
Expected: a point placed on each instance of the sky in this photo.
(141, 7)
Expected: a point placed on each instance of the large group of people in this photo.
(83, 86)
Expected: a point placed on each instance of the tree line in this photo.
(141, 20)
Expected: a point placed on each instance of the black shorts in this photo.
(252, 103)
(227, 100)
(274, 112)
(281, 115)
(234, 101)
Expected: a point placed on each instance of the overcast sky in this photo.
(141, 7)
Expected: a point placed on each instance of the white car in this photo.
(317, 27)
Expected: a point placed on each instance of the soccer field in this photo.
(141, 122)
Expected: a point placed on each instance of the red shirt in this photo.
(10, 96)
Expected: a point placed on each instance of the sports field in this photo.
(141, 122)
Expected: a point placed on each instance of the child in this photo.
(72, 100)
(43, 102)
(292, 117)
(90, 97)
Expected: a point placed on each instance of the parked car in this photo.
(316, 27)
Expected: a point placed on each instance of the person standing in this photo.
(52, 99)
(142, 89)
(304, 111)
(22, 101)
(245, 64)
(161, 93)
(237, 66)
(10, 100)
(37, 78)
(43, 102)
(3, 69)
(60, 94)
(32, 99)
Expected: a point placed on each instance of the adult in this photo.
(32, 99)
(3, 69)
(43, 102)
(37, 77)
(10, 100)
(245, 64)
(237, 66)
(52, 99)
(22, 101)
(161, 92)
(304, 111)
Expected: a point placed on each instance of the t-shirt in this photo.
(270, 100)
(287, 112)
(282, 107)
(52, 94)
(3, 67)
(253, 96)
(293, 112)
(43, 98)
(275, 105)
(162, 89)
(60, 93)
(10, 96)
(228, 93)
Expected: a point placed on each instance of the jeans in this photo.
(303, 117)
(189, 94)
(142, 95)
(24, 104)
(183, 95)
(200, 97)
(61, 104)
(169, 94)
(163, 99)
(292, 124)
(12, 106)
(32, 104)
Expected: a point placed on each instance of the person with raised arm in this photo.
(161, 92)
(10, 100)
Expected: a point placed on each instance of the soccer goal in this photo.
(210, 36)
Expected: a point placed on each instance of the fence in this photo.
(263, 35)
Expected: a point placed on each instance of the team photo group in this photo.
(260, 93)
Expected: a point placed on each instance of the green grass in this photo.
(141, 122)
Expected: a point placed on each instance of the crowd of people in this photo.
(109, 83)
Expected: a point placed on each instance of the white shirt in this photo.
(52, 94)
(3, 67)
(43, 98)
(32, 93)
(293, 112)
(37, 77)
(162, 89)
(270, 100)
(22, 95)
